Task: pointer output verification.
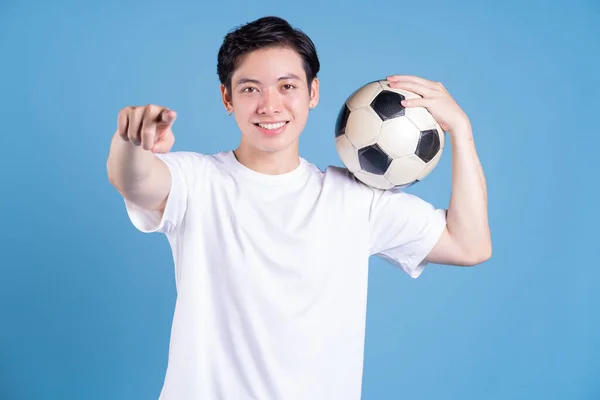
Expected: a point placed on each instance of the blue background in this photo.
(86, 301)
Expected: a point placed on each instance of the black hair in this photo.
(263, 33)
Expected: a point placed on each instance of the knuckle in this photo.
(123, 112)
(151, 108)
(146, 112)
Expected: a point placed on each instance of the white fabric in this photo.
(271, 275)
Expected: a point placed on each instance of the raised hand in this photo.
(436, 99)
(148, 126)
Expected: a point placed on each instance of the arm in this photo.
(132, 167)
(466, 240)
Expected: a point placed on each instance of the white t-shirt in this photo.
(271, 275)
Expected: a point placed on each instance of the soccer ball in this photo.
(382, 143)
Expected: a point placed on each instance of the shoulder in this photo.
(343, 177)
(343, 182)
(183, 156)
(191, 161)
(331, 174)
(194, 169)
(346, 183)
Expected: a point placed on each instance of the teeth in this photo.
(272, 126)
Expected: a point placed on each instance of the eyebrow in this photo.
(243, 80)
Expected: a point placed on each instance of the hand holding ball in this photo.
(384, 144)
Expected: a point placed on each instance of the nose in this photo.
(270, 102)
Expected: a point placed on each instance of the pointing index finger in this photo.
(166, 116)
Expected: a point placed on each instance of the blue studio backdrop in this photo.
(86, 301)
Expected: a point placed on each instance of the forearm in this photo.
(137, 173)
(467, 217)
(127, 164)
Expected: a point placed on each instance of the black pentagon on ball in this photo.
(374, 160)
(429, 145)
(342, 119)
(387, 105)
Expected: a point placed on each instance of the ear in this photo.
(314, 93)
(226, 98)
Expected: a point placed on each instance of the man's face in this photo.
(270, 99)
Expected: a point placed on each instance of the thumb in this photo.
(164, 144)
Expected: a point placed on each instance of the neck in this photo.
(266, 162)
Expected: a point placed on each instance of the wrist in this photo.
(461, 133)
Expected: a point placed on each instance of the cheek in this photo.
(244, 108)
(298, 104)
(244, 102)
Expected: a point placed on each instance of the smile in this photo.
(272, 126)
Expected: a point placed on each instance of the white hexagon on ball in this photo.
(424, 121)
(405, 170)
(398, 137)
(362, 127)
(363, 96)
(348, 153)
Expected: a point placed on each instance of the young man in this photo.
(271, 254)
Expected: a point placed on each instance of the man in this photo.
(271, 253)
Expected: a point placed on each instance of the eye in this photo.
(289, 86)
(248, 89)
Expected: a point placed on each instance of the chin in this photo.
(274, 146)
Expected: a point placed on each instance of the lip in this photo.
(270, 122)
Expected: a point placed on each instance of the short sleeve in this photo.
(403, 229)
(181, 165)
